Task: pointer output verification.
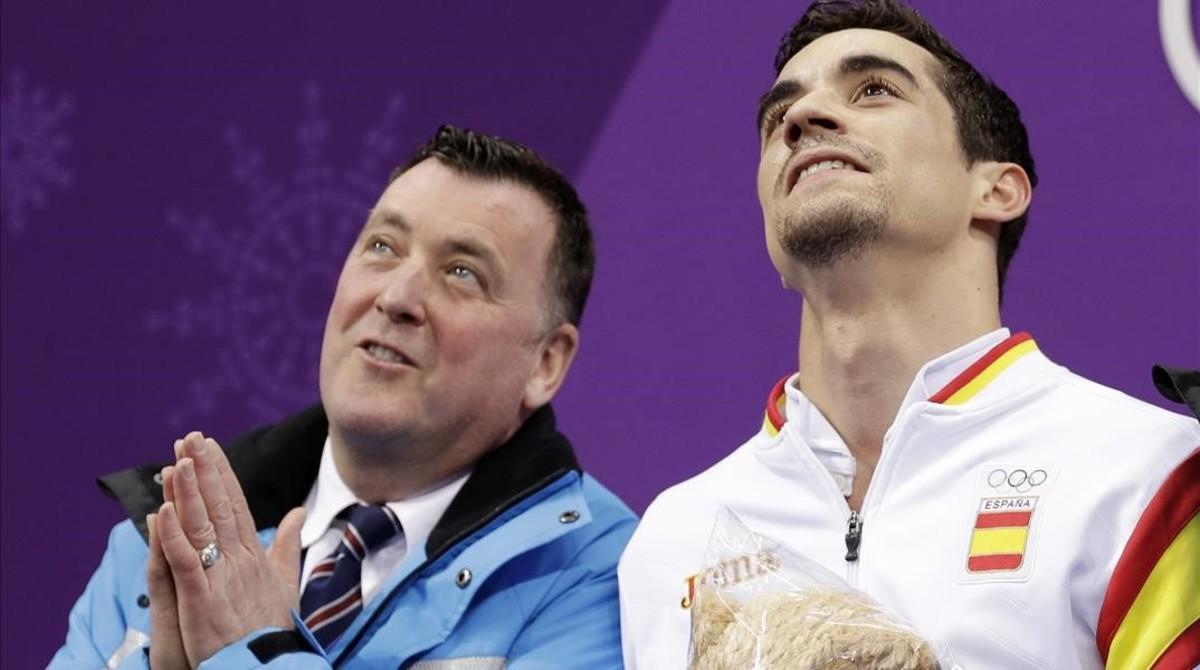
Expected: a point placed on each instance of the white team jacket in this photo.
(994, 520)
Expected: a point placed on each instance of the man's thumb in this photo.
(284, 552)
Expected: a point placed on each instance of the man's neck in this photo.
(866, 331)
(398, 468)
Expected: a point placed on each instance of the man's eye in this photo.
(379, 246)
(874, 88)
(463, 272)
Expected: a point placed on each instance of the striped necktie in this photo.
(333, 595)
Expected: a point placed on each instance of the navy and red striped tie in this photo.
(333, 596)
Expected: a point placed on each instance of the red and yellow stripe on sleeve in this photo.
(1150, 619)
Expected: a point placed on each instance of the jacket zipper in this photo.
(854, 528)
(854, 524)
(854, 531)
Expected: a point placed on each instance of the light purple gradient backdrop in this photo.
(177, 279)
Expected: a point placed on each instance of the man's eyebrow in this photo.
(389, 218)
(462, 245)
(868, 62)
(780, 91)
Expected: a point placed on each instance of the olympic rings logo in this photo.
(1019, 480)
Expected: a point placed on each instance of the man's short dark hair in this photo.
(988, 121)
(572, 258)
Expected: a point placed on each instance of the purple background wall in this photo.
(180, 186)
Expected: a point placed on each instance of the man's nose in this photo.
(812, 115)
(404, 293)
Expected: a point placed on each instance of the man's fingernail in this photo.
(186, 466)
(199, 446)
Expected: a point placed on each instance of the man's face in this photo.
(434, 328)
(859, 151)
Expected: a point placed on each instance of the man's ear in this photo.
(1004, 194)
(555, 354)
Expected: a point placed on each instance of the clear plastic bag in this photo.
(758, 606)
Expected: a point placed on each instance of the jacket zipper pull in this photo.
(853, 536)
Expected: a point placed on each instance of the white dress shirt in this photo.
(322, 531)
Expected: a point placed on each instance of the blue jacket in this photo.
(519, 573)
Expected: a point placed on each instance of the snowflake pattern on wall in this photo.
(32, 148)
(272, 273)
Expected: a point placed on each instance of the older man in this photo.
(427, 514)
(1016, 512)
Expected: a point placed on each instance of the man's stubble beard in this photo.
(821, 234)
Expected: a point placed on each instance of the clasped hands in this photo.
(195, 610)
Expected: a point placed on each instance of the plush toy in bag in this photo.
(757, 606)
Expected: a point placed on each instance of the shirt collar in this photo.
(330, 495)
(948, 373)
(941, 376)
(936, 374)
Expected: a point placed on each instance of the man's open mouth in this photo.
(385, 354)
(817, 162)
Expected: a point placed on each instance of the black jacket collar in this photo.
(278, 464)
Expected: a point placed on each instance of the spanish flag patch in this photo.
(1002, 545)
(1001, 534)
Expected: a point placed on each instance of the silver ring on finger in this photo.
(209, 555)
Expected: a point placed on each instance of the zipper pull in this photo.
(853, 536)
